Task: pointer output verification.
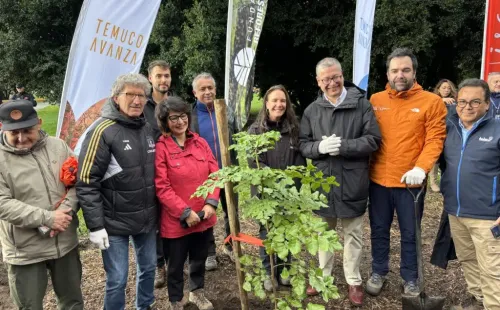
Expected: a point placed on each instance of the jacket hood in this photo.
(416, 88)
(354, 93)
(38, 145)
(110, 111)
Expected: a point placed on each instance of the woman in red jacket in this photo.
(183, 162)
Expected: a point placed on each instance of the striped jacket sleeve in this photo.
(93, 162)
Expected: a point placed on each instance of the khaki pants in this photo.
(353, 247)
(479, 254)
(28, 283)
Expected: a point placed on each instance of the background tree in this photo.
(446, 36)
(35, 37)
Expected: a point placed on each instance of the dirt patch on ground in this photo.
(222, 288)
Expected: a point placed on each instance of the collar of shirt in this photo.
(465, 131)
(473, 125)
(340, 99)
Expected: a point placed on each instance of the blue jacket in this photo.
(204, 123)
(495, 105)
(470, 170)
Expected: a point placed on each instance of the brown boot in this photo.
(161, 277)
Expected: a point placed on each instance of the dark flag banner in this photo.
(244, 26)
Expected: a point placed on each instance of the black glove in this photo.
(201, 215)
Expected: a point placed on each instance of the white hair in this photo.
(203, 75)
(327, 63)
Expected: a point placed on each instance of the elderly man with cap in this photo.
(37, 212)
(23, 95)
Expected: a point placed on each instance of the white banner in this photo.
(365, 15)
(110, 39)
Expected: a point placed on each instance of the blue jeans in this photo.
(383, 202)
(115, 260)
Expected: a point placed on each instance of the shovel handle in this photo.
(418, 235)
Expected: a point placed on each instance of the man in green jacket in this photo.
(38, 219)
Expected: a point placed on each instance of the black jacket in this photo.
(149, 114)
(24, 96)
(353, 121)
(116, 171)
(285, 153)
(444, 248)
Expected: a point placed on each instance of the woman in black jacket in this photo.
(277, 114)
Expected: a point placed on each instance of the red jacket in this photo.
(178, 175)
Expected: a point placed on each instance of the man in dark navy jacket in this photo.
(470, 169)
(203, 122)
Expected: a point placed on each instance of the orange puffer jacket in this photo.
(413, 130)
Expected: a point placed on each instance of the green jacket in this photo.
(29, 189)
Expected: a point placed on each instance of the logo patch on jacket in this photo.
(416, 110)
(151, 144)
(380, 109)
(483, 139)
(127, 147)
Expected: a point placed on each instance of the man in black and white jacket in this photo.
(116, 190)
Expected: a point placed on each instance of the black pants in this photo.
(196, 246)
(161, 253)
(223, 202)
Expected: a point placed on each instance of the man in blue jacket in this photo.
(494, 84)
(204, 123)
(470, 167)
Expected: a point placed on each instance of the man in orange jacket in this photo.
(412, 123)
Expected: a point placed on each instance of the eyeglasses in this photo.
(473, 103)
(132, 96)
(175, 118)
(334, 78)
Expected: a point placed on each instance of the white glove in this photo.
(414, 177)
(329, 144)
(100, 238)
(336, 150)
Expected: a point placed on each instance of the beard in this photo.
(408, 85)
(162, 91)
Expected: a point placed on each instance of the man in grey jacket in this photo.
(339, 132)
(37, 212)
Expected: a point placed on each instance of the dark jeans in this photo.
(195, 246)
(266, 259)
(28, 283)
(223, 202)
(161, 255)
(383, 202)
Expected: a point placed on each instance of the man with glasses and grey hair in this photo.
(494, 85)
(470, 166)
(204, 123)
(412, 122)
(339, 132)
(116, 190)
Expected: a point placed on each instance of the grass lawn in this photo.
(49, 118)
(256, 104)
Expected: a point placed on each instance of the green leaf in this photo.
(294, 246)
(284, 273)
(311, 306)
(312, 246)
(247, 286)
(323, 243)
